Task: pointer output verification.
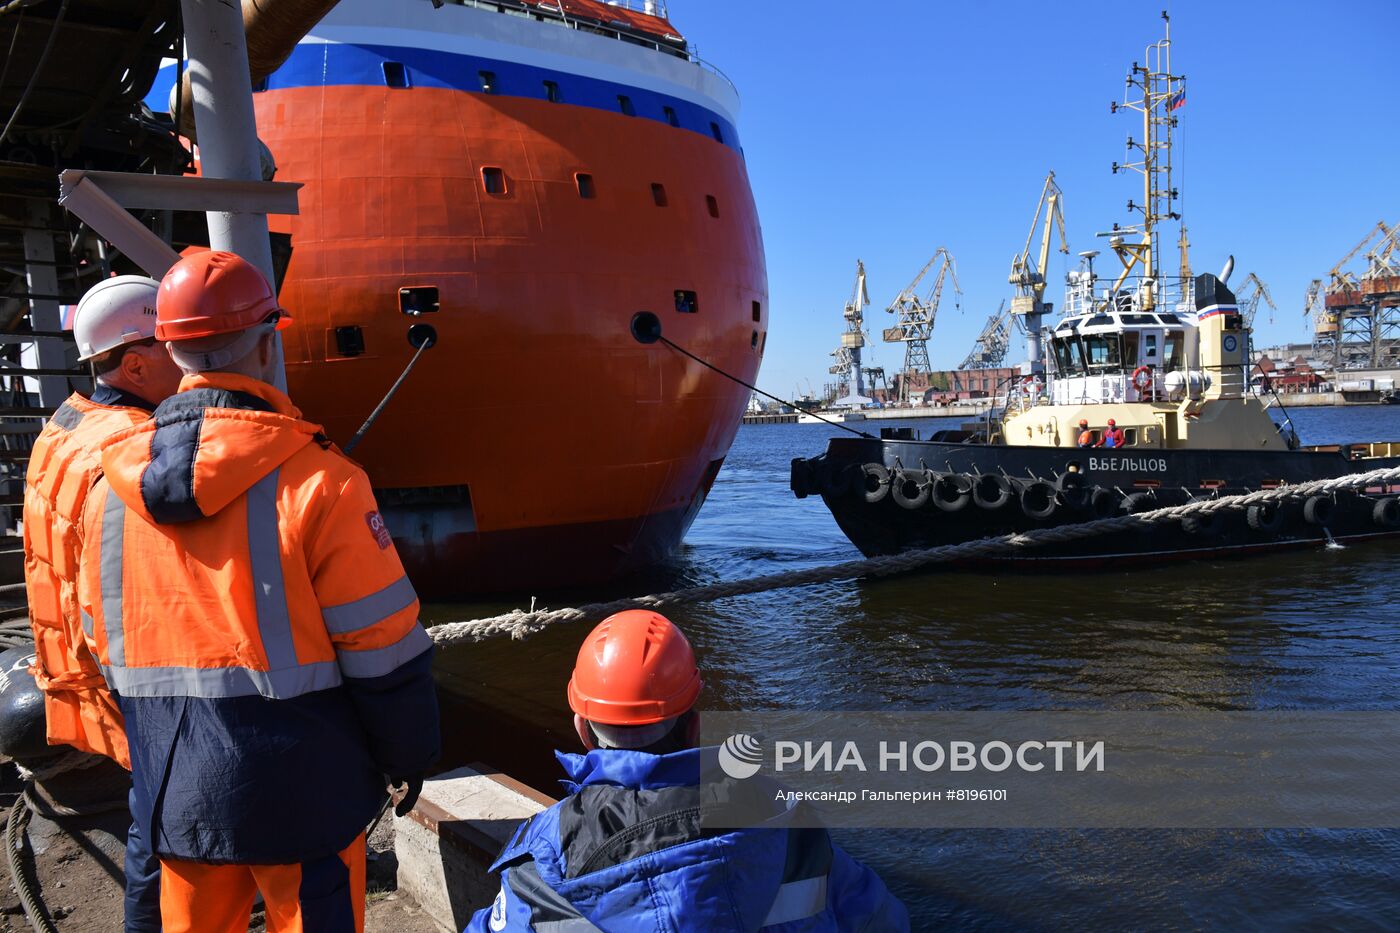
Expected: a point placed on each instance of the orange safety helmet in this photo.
(634, 669)
(1083, 422)
(212, 292)
(1112, 423)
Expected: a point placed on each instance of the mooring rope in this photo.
(521, 623)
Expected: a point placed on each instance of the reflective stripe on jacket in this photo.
(235, 558)
(63, 466)
(628, 852)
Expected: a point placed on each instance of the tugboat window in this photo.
(488, 81)
(624, 103)
(757, 312)
(1175, 356)
(686, 302)
(551, 92)
(1102, 351)
(585, 185)
(1150, 342)
(493, 180)
(1130, 348)
(671, 117)
(422, 299)
(395, 74)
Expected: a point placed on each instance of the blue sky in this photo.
(885, 130)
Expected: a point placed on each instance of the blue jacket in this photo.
(628, 852)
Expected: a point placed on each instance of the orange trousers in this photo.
(326, 895)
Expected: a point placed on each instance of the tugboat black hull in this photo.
(890, 496)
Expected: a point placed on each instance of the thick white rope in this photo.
(520, 623)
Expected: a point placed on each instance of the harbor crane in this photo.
(915, 317)
(1251, 292)
(990, 348)
(1029, 279)
(1363, 312)
(850, 376)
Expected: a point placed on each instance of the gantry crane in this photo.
(850, 377)
(1251, 292)
(1363, 324)
(1380, 290)
(916, 316)
(989, 350)
(1028, 304)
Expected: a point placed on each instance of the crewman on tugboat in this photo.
(114, 328)
(1113, 437)
(628, 848)
(1086, 437)
(254, 622)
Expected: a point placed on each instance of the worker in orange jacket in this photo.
(114, 328)
(253, 620)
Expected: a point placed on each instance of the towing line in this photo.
(520, 623)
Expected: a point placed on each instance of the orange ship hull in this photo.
(537, 444)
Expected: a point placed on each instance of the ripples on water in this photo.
(1311, 630)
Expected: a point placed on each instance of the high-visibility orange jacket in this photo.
(252, 617)
(63, 466)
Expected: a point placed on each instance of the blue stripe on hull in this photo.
(332, 65)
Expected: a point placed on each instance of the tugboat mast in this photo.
(1155, 92)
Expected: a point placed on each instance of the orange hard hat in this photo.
(1111, 422)
(212, 292)
(635, 668)
(1083, 422)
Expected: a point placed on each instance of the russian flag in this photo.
(1176, 101)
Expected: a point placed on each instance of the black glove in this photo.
(413, 786)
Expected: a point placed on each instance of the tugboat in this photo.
(1138, 398)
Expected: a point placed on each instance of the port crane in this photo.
(1251, 292)
(990, 348)
(850, 376)
(915, 317)
(1028, 304)
(1361, 319)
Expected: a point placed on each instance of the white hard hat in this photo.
(115, 312)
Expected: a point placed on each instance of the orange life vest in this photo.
(63, 467)
(1086, 438)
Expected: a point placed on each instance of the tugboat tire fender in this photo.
(951, 492)
(1201, 523)
(991, 491)
(1039, 499)
(1069, 480)
(1318, 510)
(1103, 502)
(1136, 502)
(911, 489)
(1386, 512)
(874, 482)
(1266, 517)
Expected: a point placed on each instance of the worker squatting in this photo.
(930, 756)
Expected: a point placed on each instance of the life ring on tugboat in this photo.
(874, 482)
(1142, 381)
(1030, 385)
(910, 489)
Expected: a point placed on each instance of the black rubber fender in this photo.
(1135, 502)
(1318, 510)
(1386, 512)
(1265, 516)
(1039, 499)
(836, 479)
(802, 478)
(1070, 479)
(951, 492)
(1103, 502)
(992, 491)
(874, 482)
(1201, 523)
(910, 489)
(22, 721)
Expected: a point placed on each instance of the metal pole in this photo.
(222, 95)
(41, 278)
